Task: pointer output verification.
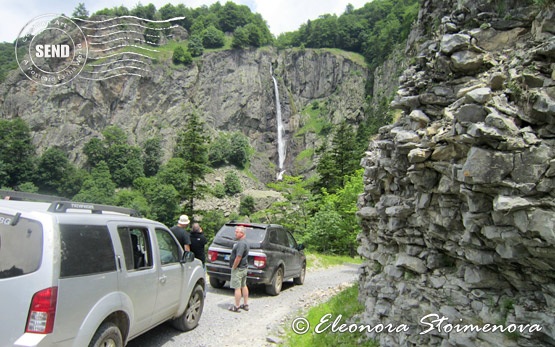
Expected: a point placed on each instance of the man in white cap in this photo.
(181, 234)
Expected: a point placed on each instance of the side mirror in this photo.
(188, 257)
(300, 247)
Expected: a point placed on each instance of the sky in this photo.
(281, 15)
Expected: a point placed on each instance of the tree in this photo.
(152, 156)
(174, 173)
(17, 152)
(195, 46)
(95, 152)
(98, 187)
(212, 37)
(232, 183)
(80, 11)
(239, 150)
(192, 146)
(240, 38)
(53, 170)
(163, 199)
(247, 206)
(125, 163)
(182, 56)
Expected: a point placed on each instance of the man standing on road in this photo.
(181, 234)
(239, 263)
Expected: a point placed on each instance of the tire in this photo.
(107, 335)
(190, 318)
(216, 283)
(274, 288)
(300, 280)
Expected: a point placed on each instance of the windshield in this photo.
(20, 246)
(253, 235)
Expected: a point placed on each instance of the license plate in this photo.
(226, 257)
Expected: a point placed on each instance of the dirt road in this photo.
(267, 314)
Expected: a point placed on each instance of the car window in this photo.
(291, 240)
(281, 237)
(253, 234)
(86, 250)
(169, 249)
(20, 246)
(136, 247)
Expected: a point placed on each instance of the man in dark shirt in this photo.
(198, 241)
(238, 261)
(181, 234)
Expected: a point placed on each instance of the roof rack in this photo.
(63, 206)
(16, 195)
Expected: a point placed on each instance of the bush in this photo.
(218, 190)
(182, 56)
(246, 208)
(212, 37)
(232, 184)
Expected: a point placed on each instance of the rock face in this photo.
(231, 90)
(458, 211)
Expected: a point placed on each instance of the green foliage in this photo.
(28, 187)
(163, 199)
(174, 173)
(144, 11)
(334, 227)
(152, 35)
(232, 184)
(372, 30)
(98, 187)
(230, 148)
(133, 199)
(192, 146)
(212, 37)
(152, 156)
(340, 160)
(53, 170)
(218, 190)
(125, 163)
(7, 59)
(17, 152)
(247, 206)
(195, 46)
(80, 11)
(211, 222)
(240, 38)
(182, 56)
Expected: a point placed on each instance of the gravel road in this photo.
(267, 316)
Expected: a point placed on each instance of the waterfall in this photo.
(280, 129)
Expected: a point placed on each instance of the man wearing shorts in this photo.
(239, 264)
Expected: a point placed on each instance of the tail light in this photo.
(259, 261)
(212, 256)
(42, 311)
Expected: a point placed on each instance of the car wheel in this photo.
(190, 318)
(216, 283)
(107, 335)
(300, 279)
(277, 281)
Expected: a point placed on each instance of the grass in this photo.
(345, 304)
(317, 261)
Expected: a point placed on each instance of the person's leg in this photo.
(237, 297)
(235, 283)
(245, 292)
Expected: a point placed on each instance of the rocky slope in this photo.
(231, 90)
(458, 210)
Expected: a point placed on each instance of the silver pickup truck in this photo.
(78, 274)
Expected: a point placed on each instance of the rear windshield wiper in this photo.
(15, 219)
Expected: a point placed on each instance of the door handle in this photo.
(163, 279)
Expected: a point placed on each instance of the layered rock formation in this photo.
(231, 90)
(458, 208)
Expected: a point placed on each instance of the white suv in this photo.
(77, 274)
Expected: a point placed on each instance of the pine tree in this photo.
(192, 146)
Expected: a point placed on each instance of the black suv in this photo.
(274, 256)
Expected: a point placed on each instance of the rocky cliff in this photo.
(458, 210)
(231, 90)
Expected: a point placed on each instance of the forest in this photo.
(320, 210)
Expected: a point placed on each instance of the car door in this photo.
(286, 252)
(170, 275)
(297, 258)
(139, 277)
